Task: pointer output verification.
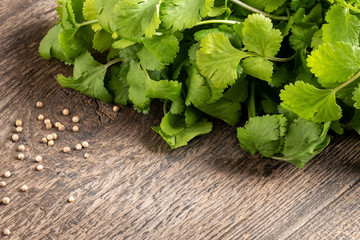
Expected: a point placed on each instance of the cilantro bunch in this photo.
(289, 69)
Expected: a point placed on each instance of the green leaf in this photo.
(70, 43)
(181, 14)
(356, 97)
(177, 106)
(268, 6)
(238, 92)
(77, 6)
(218, 59)
(102, 41)
(172, 124)
(262, 134)
(334, 64)
(192, 115)
(68, 16)
(258, 67)
(302, 35)
(164, 47)
(148, 60)
(355, 122)
(105, 14)
(190, 132)
(122, 43)
(89, 13)
(118, 85)
(260, 36)
(198, 92)
(310, 103)
(163, 89)
(342, 26)
(88, 78)
(134, 17)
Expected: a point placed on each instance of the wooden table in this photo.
(133, 186)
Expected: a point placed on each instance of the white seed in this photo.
(18, 129)
(15, 137)
(75, 119)
(78, 147)
(2, 184)
(44, 140)
(39, 104)
(7, 232)
(61, 128)
(51, 143)
(66, 149)
(21, 156)
(6, 200)
(116, 108)
(85, 144)
(57, 124)
(86, 155)
(46, 121)
(18, 123)
(39, 167)
(49, 137)
(21, 148)
(24, 188)
(7, 174)
(41, 117)
(48, 126)
(75, 128)
(54, 135)
(66, 112)
(71, 199)
(38, 158)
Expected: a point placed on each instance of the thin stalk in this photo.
(351, 7)
(276, 59)
(112, 62)
(217, 21)
(348, 82)
(87, 23)
(164, 107)
(251, 105)
(255, 10)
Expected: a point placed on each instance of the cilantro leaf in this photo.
(163, 89)
(164, 47)
(89, 13)
(356, 97)
(105, 14)
(172, 124)
(218, 59)
(334, 64)
(198, 93)
(258, 67)
(102, 41)
(134, 17)
(310, 103)
(260, 36)
(118, 85)
(148, 60)
(302, 35)
(181, 14)
(88, 78)
(268, 6)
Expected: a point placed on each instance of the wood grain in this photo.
(134, 186)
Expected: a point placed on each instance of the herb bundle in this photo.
(291, 68)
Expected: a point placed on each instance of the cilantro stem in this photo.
(276, 59)
(164, 107)
(255, 10)
(351, 7)
(217, 21)
(348, 82)
(251, 105)
(87, 23)
(112, 62)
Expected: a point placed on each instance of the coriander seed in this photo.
(18, 129)
(15, 137)
(41, 117)
(49, 137)
(61, 128)
(75, 128)
(7, 232)
(24, 188)
(57, 124)
(38, 158)
(21, 148)
(44, 140)
(66, 149)
(54, 135)
(2, 184)
(6, 200)
(75, 119)
(85, 144)
(18, 123)
(39, 104)
(71, 199)
(21, 156)
(7, 174)
(86, 155)
(66, 112)
(51, 143)
(39, 167)
(78, 147)
(48, 126)
(46, 121)
(116, 108)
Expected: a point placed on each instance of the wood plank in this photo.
(134, 186)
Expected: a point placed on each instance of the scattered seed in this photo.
(39, 104)
(24, 188)
(46, 121)
(7, 174)
(48, 126)
(7, 232)
(21, 156)
(57, 124)
(86, 155)
(21, 148)
(66, 149)
(38, 158)
(51, 143)
(18, 123)
(61, 128)
(116, 108)
(54, 135)
(78, 147)
(75, 119)
(39, 167)
(2, 184)
(6, 200)
(75, 128)
(44, 140)
(66, 112)
(18, 129)
(71, 199)
(85, 144)
(41, 117)
(49, 137)
(15, 137)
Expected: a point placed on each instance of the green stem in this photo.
(112, 62)
(251, 106)
(164, 107)
(276, 59)
(348, 82)
(87, 23)
(255, 10)
(217, 21)
(344, 3)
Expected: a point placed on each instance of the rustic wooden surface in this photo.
(134, 186)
